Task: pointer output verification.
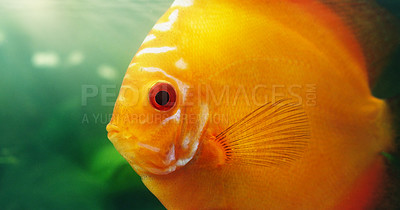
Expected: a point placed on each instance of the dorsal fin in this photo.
(376, 28)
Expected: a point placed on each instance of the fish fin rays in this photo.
(274, 134)
(376, 28)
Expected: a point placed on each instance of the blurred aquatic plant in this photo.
(7, 158)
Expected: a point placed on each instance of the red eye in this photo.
(162, 96)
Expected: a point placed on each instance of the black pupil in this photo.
(162, 98)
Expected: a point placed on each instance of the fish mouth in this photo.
(113, 132)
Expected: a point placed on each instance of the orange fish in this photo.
(259, 104)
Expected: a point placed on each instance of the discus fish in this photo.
(260, 104)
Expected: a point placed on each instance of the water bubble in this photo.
(75, 58)
(106, 72)
(45, 59)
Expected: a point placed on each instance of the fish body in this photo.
(253, 104)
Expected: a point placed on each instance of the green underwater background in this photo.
(61, 66)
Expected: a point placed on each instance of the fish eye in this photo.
(162, 96)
